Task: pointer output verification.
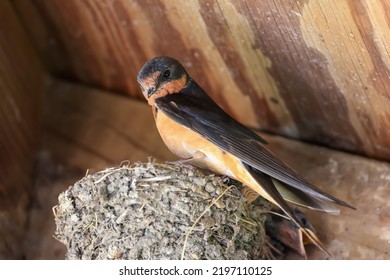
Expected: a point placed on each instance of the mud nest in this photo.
(158, 211)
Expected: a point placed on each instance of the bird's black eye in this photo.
(166, 73)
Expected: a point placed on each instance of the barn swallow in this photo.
(194, 127)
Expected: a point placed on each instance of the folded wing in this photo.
(194, 109)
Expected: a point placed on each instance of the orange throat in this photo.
(170, 87)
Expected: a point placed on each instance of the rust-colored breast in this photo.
(186, 143)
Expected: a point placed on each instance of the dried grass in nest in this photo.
(158, 211)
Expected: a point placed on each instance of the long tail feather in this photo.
(304, 200)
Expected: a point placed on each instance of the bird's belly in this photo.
(185, 143)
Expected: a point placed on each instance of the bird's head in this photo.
(160, 76)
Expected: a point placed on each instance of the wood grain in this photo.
(21, 94)
(313, 70)
(88, 129)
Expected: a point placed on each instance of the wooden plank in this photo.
(313, 70)
(90, 128)
(21, 94)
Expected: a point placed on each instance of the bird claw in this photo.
(181, 163)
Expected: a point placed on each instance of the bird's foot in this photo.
(181, 163)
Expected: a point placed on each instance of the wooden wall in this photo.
(21, 96)
(317, 70)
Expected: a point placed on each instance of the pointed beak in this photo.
(150, 91)
(147, 91)
(148, 84)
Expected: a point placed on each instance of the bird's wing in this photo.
(194, 109)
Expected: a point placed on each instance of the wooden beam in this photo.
(313, 70)
(90, 129)
(21, 95)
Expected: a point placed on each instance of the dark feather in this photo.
(194, 109)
